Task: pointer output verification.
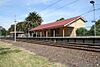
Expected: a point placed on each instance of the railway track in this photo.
(70, 46)
(72, 54)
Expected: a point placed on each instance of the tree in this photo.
(34, 19)
(10, 29)
(98, 28)
(2, 31)
(91, 31)
(19, 26)
(60, 19)
(81, 31)
(31, 21)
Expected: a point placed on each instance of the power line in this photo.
(89, 11)
(67, 4)
(73, 3)
(51, 5)
(86, 12)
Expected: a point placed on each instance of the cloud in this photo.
(50, 16)
(3, 2)
(6, 21)
(35, 2)
(22, 17)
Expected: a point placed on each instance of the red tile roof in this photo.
(55, 24)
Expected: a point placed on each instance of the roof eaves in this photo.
(75, 20)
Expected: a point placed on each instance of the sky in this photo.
(47, 10)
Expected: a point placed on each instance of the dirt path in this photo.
(70, 57)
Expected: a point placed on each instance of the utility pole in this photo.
(93, 3)
(0, 33)
(15, 29)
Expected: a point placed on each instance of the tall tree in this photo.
(34, 19)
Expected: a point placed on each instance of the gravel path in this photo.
(70, 57)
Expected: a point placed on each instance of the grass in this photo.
(11, 56)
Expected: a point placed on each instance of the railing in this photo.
(90, 40)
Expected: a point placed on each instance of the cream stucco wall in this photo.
(77, 24)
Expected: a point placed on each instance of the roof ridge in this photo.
(61, 20)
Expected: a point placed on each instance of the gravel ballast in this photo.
(69, 57)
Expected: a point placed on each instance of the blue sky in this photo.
(8, 8)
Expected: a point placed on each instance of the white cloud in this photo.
(22, 17)
(6, 21)
(50, 16)
(28, 4)
(35, 2)
(3, 2)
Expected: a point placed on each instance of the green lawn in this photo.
(11, 56)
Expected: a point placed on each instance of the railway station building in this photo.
(63, 28)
